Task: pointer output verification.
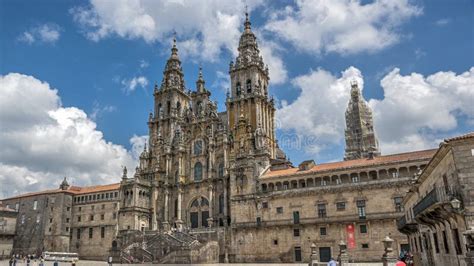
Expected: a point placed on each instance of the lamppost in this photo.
(343, 257)
(314, 256)
(388, 258)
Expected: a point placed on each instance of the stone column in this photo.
(388, 258)
(469, 235)
(154, 225)
(225, 202)
(166, 224)
(179, 222)
(211, 206)
(314, 256)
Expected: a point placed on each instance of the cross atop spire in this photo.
(174, 50)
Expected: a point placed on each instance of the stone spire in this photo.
(173, 76)
(361, 141)
(200, 82)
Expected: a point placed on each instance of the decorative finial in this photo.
(247, 20)
(174, 50)
(353, 83)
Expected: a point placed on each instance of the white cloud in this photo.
(98, 110)
(442, 22)
(276, 66)
(144, 63)
(203, 27)
(46, 33)
(42, 141)
(417, 110)
(341, 26)
(415, 113)
(317, 115)
(129, 85)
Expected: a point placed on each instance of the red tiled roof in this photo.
(378, 160)
(72, 190)
(465, 136)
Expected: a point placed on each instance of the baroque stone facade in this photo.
(7, 230)
(439, 209)
(214, 186)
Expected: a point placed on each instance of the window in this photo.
(296, 232)
(197, 171)
(259, 221)
(296, 217)
(68, 208)
(115, 215)
(79, 218)
(221, 203)
(49, 229)
(221, 170)
(275, 242)
(361, 208)
(67, 220)
(279, 209)
(199, 212)
(355, 179)
(67, 229)
(445, 242)
(322, 210)
(50, 220)
(363, 229)
(238, 89)
(115, 195)
(92, 217)
(80, 208)
(102, 232)
(102, 216)
(78, 233)
(35, 205)
(338, 181)
(398, 204)
(249, 86)
(436, 244)
(298, 254)
(324, 183)
(91, 232)
(365, 246)
(198, 147)
(265, 205)
(322, 231)
(340, 206)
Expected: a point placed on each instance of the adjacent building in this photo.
(439, 208)
(7, 230)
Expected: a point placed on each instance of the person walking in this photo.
(73, 262)
(109, 261)
(10, 263)
(332, 262)
(56, 263)
(41, 262)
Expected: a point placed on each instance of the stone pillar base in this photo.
(166, 226)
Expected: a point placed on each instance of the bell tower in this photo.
(250, 111)
(250, 115)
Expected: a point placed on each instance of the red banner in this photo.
(351, 243)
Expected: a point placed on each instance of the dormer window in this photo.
(238, 89)
(249, 86)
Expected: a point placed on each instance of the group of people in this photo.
(25, 259)
(405, 259)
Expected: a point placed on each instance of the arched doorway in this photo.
(199, 213)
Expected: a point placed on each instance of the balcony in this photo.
(436, 196)
(436, 204)
(406, 227)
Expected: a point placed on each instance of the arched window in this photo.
(221, 203)
(238, 89)
(198, 147)
(197, 171)
(158, 110)
(199, 213)
(168, 105)
(221, 170)
(249, 86)
(175, 208)
(178, 108)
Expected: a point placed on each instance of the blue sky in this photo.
(414, 59)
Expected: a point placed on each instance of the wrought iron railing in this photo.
(442, 194)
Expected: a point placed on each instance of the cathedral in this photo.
(215, 186)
